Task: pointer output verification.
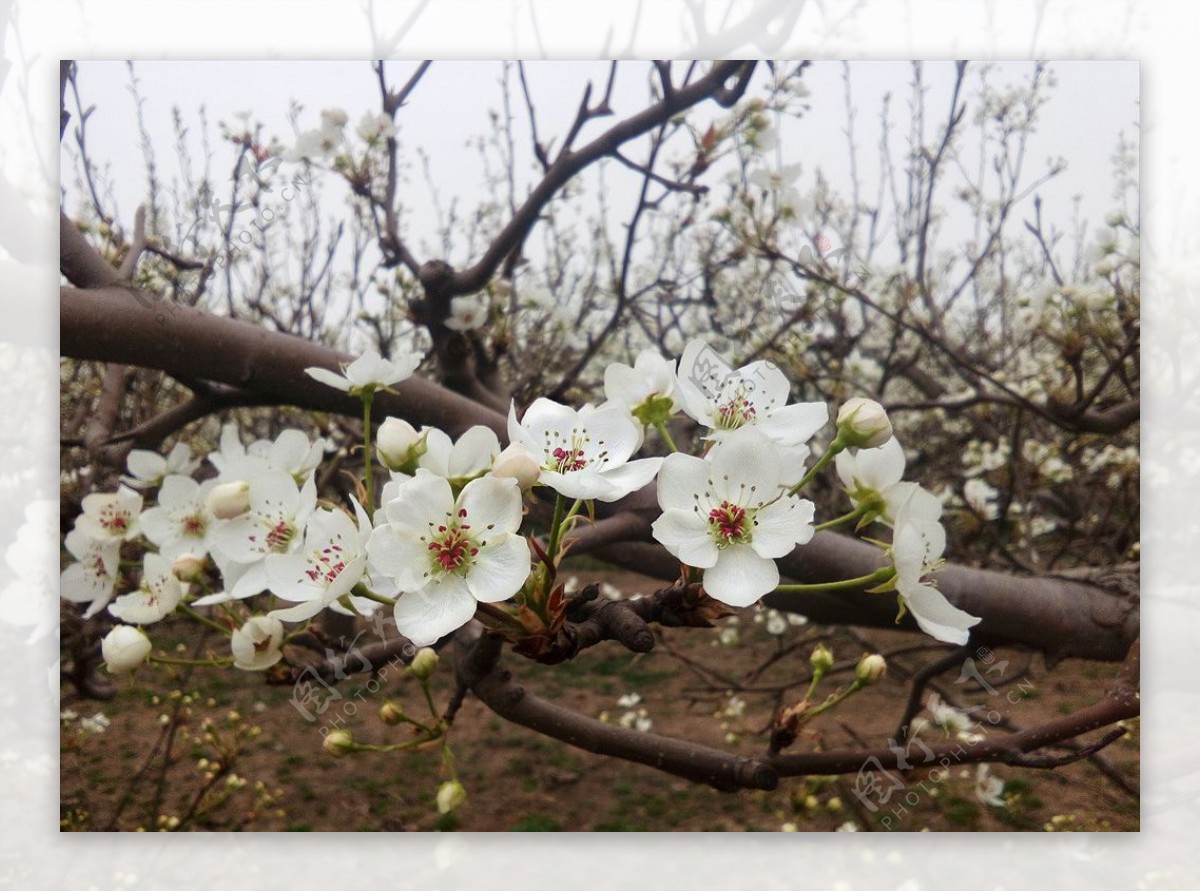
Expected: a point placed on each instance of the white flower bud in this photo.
(518, 463)
(339, 742)
(228, 500)
(821, 659)
(1114, 218)
(871, 668)
(424, 663)
(334, 117)
(125, 648)
(187, 567)
(391, 714)
(395, 442)
(863, 423)
(450, 795)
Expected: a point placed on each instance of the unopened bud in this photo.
(863, 423)
(450, 796)
(125, 648)
(424, 663)
(339, 743)
(821, 659)
(228, 500)
(518, 463)
(391, 714)
(871, 668)
(187, 567)
(398, 443)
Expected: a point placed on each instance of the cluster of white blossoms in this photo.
(445, 535)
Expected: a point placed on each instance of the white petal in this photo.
(745, 468)
(882, 467)
(740, 577)
(289, 450)
(781, 526)
(493, 506)
(146, 465)
(936, 616)
(500, 568)
(685, 535)
(610, 431)
(474, 451)
(403, 558)
(681, 481)
(629, 477)
(766, 385)
(795, 425)
(327, 377)
(435, 611)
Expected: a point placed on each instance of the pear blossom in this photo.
(258, 644)
(148, 468)
(91, 578)
(332, 560)
(518, 463)
(730, 515)
(917, 548)
(374, 128)
(647, 388)
(158, 594)
(368, 373)
(182, 522)
(468, 457)
(277, 513)
(755, 395)
(989, 790)
(872, 480)
(124, 648)
(981, 497)
(584, 454)
(397, 441)
(467, 313)
(291, 451)
(864, 423)
(447, 554)
(110, 515)
(779, 183)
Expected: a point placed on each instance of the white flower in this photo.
(628, 701)
(468, 456)
(446, 554)
(96, 723)
(981, 497)
(278, 511)
(647, 388)
(730, 515)
(318, 143)
(917, 548)
(330, 563)
(369, 372)
(182, 523)
(258, 644)
(872, 478)
(948, 718)
(864, 423)
(988, 789)
(779, 184)
(334, 118)
(375, 127)
(125, 648)
(584, 454)
(467, 313)
(33, 561)
(158, 594)
(92, 577)
(110, 515)
(147, 468)
(291, 452)
(450, 795)
(755, 395)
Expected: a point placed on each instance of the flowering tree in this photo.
(439, 474)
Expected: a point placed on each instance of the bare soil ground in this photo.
(147, 769)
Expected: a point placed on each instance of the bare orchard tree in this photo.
(1007, 359)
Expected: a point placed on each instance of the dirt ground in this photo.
(258, 764)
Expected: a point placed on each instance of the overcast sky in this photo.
(1093, 102)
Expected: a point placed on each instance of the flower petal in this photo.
(780, 526)
(740, 577)
(435, 611)
(685, 534)
(500, 568)
(935, 615)
(325, 376)
(493, 506)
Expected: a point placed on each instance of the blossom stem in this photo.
(363, 592)
(834, 700)
(845, 518)
(560, 505)
(835, 447)
(367, 397)
(201, 618)
(666, 435)
(883, 574)
(180, 661)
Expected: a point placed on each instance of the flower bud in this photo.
(228, 500)
(870, 669)
(1114, 218)
(397, 443)
(187, 567)
(863, 423)
(391, 714)
(334, 117)
(424, 663)
(821, 659)
(339, 742)
(125, 648)
(518, 463)
(450, 796)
